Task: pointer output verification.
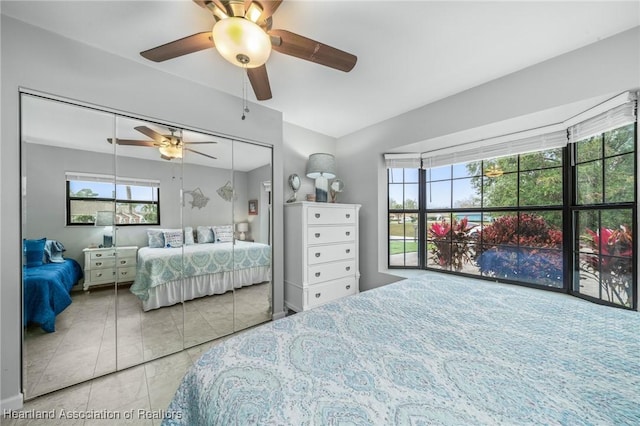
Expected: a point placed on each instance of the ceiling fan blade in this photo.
(183, 46)
(165, 157)
(304, 48)
(132, 142)
(198, 143)
(260, 82)
(201, 153)
(151, 133)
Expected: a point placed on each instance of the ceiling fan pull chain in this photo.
(245, 103)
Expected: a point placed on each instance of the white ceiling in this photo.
(410, 53)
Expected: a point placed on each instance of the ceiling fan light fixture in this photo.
(241, 42)
(171, 151)
(493, 171)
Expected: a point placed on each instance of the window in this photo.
(134, 201)
(403, 217)
(512, 218)
(604, 212)
(499, 218)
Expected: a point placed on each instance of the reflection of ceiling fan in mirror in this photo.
(242, 34)
(170, 146)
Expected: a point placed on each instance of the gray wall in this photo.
(36, 59)
(607, 67)
(299, 144)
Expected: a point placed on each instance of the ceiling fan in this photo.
(170, 146)
(242, 34)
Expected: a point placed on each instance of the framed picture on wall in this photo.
(253, 206)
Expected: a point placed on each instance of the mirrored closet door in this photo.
(165, 232)
(67, 176)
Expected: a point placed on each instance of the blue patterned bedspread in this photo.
(46, 292)
(435, 350)
(157, 266)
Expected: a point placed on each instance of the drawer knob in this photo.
(317, 254)
(348, 287)
(317, 215)
(99, 274)
(122, 262)
(123, 273)
(317, 295)
(348, 215)
(348, 250)
(347, 233)
(348, 268)
(98, 263)
(317, 235)
(98, 254)
(317, 274)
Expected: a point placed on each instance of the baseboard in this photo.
(278, 315)
(12, 403)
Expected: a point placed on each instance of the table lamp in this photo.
(106, 218)
(321, 167)
(242, 228)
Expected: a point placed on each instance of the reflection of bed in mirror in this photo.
(166, 276)
(47, 280)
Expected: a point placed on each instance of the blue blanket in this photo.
(46, 292)
(432, 350)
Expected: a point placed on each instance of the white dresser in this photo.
(108, 265)
(321, 253)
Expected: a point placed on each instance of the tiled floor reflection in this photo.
(84, 344)
(144, 390)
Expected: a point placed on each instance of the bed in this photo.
(46, 291)
(166, 276)
(434, 349)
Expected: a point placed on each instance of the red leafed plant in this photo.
(612, 249)
(450, 243)
(522, 248)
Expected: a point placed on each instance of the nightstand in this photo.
(107, 265)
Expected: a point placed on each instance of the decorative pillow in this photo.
(53, 252)
(156, 238)
(173, 238)
(34, 252)
(205, 235)
(224, 233)
(188, 236)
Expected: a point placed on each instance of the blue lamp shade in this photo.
(321, 167)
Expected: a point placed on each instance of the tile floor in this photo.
(145, 389)
(85, 345)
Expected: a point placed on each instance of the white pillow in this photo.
(173, 238)
(205, 235)
(188, 236)
(223, 233)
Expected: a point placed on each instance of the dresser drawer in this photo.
(111, 253)
(103, 275)
(322, 293)
(333, 234)
(331, 271)
(103, 254)
(330, 216)
(126, 274)
(124, 262)
(102, 263)
(322, 254)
